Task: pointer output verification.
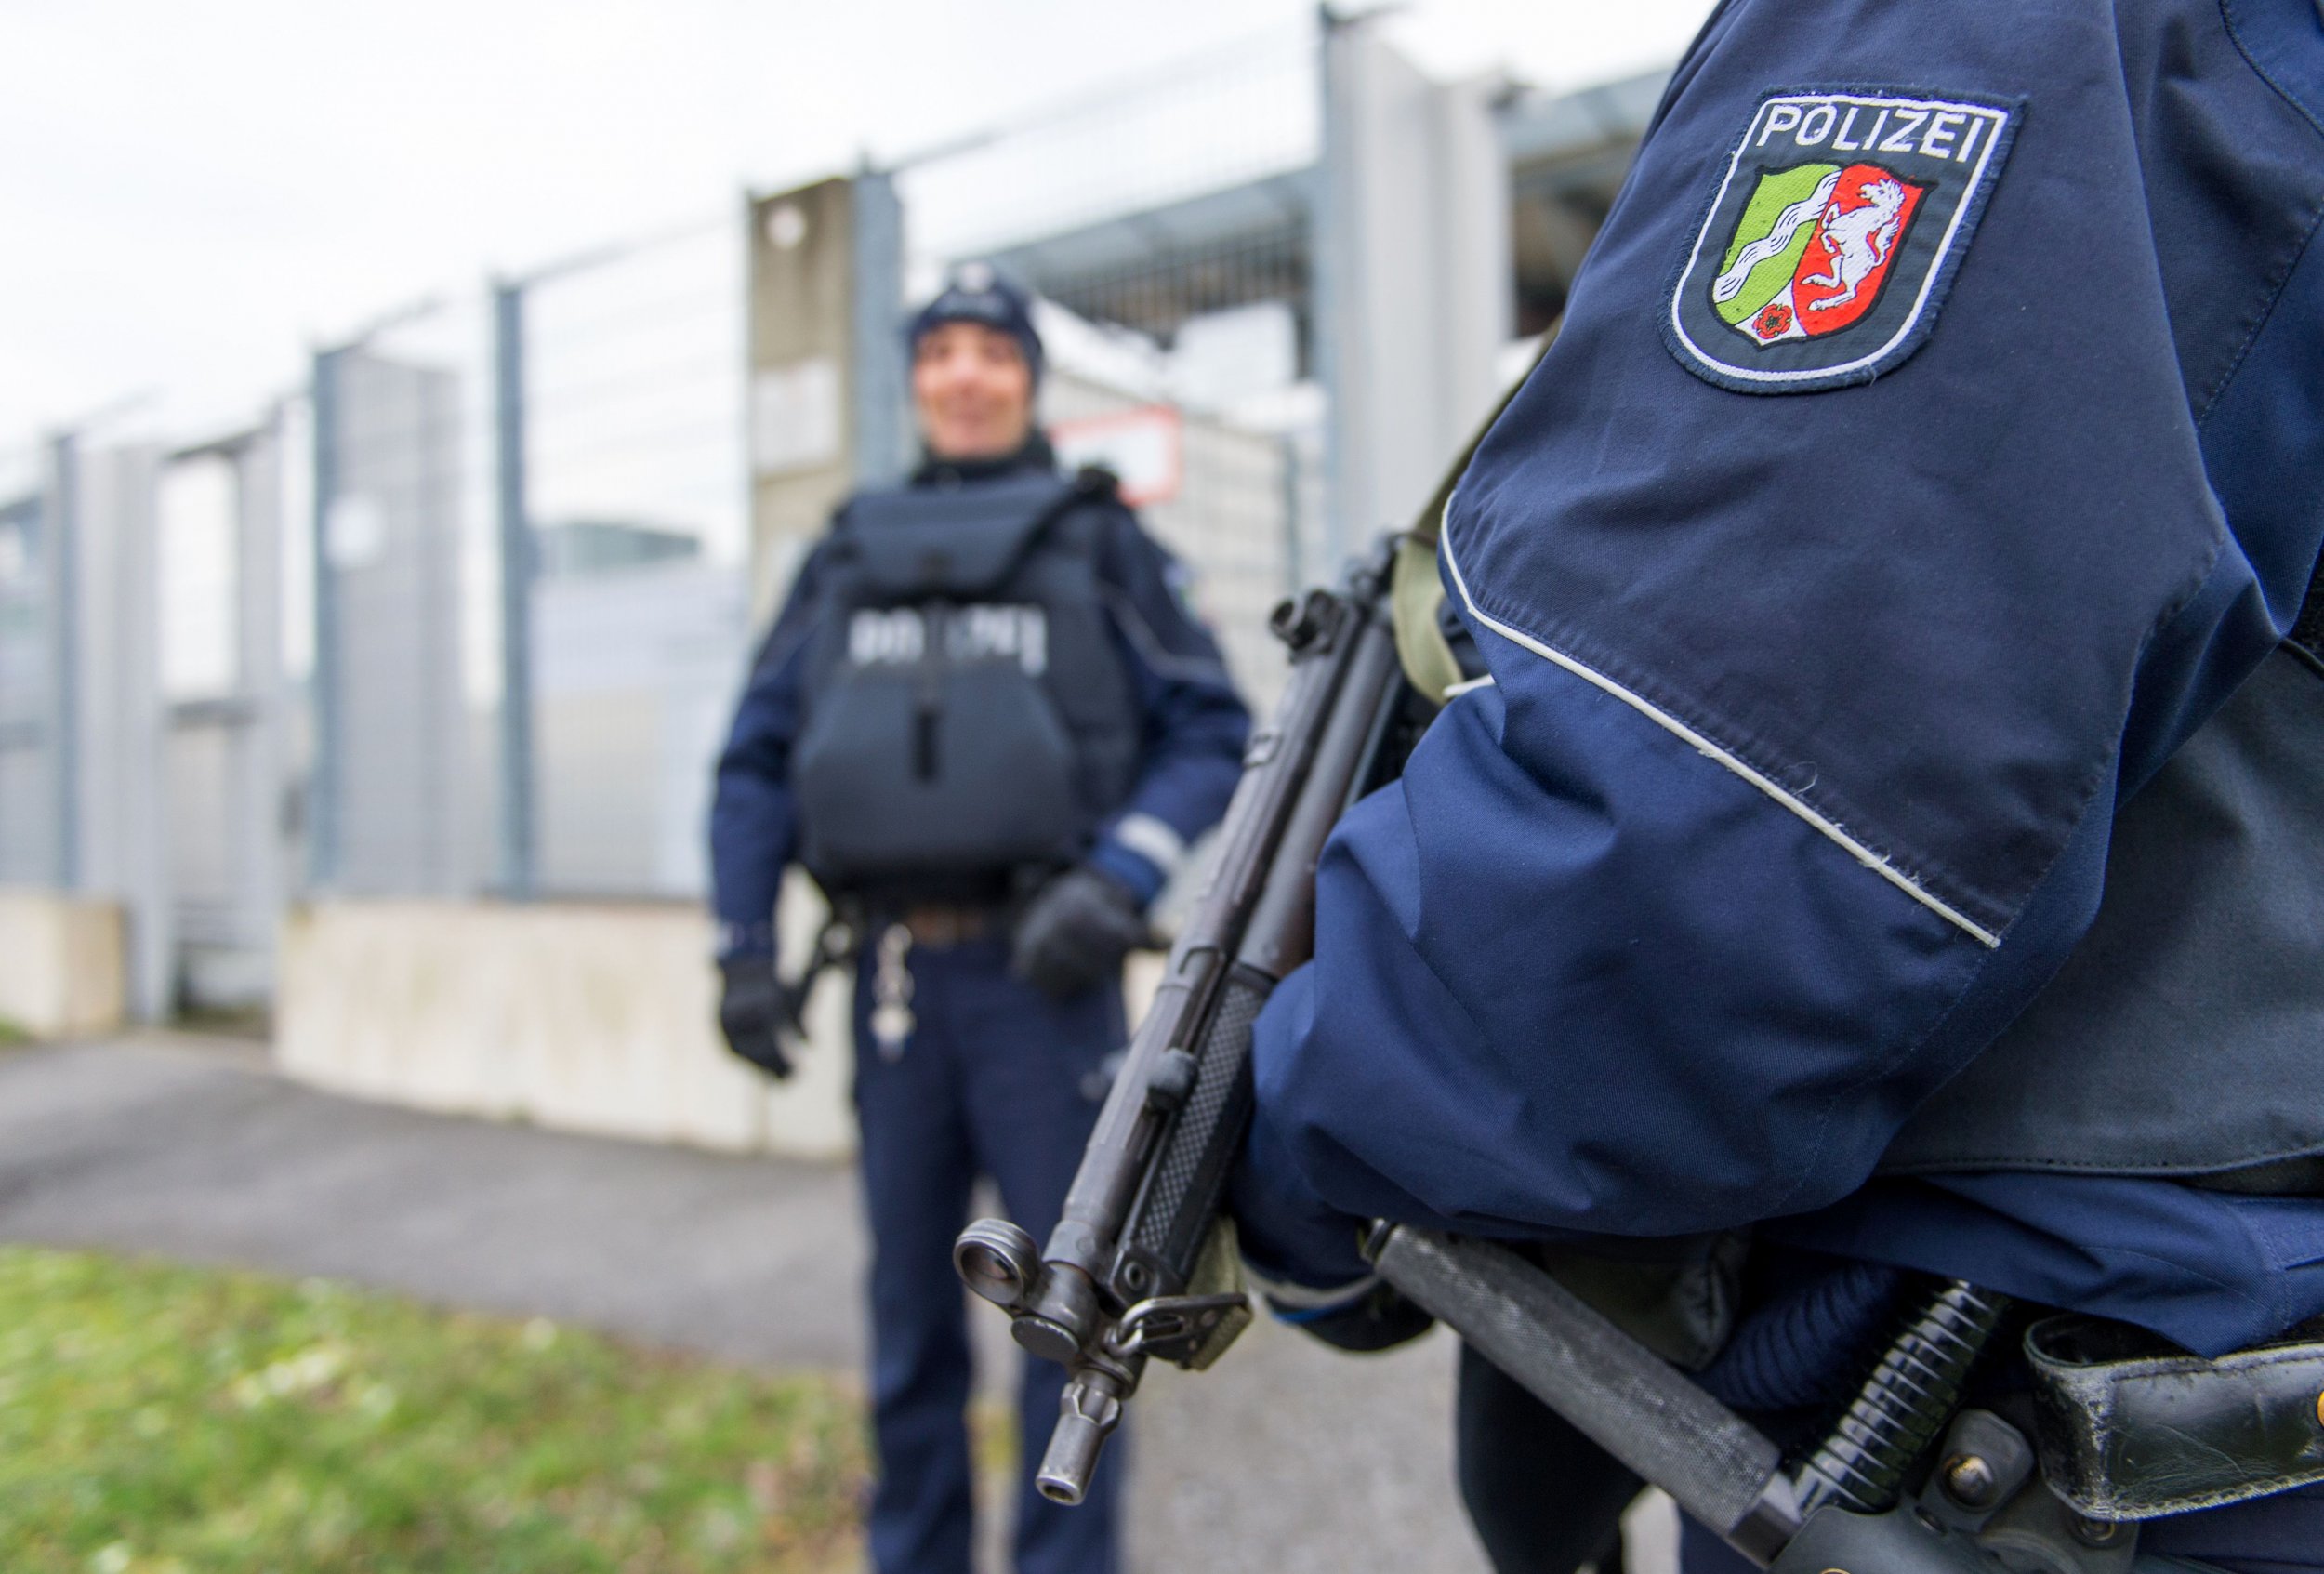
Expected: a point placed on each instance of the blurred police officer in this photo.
(988, 725)
(1904, 545)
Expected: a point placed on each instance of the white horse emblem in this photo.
(1860, 240)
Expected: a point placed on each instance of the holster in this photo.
(2131, 1429)
(835, 948)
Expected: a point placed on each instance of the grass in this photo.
(160, 1419)
(11, 1036)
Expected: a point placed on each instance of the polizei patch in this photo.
(1833, 237)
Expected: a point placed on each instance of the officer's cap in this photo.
(978, 293)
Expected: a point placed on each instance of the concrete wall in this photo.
(578, 1017)
(802, 352)
(62, 969)
(588, 1018)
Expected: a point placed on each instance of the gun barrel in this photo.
(1088, 1413)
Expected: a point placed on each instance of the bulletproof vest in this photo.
(2185, 1036)
(966, 713)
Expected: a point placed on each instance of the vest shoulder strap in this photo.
(959, 544)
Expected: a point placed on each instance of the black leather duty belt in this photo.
(939, 925)
(2131, 1429)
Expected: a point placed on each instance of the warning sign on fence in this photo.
(1143, 446)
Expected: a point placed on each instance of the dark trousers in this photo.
(994, 1080)
(1544, 1498)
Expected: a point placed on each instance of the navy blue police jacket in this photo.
(1195, 726)
(1935, 440)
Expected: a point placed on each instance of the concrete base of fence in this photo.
(61, 964)
(583, 1017)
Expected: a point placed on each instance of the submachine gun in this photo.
(1140, 1266)
(1143, 1265)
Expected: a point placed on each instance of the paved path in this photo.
(1287, 1459)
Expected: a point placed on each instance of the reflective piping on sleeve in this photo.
(1470, 685)
(1149, 646)
(1863, 855)
(1151, 840)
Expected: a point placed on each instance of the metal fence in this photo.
(529, 528)
(465, 614)
(399, 791)
(219, 555)
(633, 501)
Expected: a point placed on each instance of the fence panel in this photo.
(220, 554)
(405, 688)
(634, 492)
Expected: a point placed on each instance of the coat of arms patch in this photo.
(1836, 229)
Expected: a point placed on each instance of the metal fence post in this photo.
(133, 792)
(322, 783)
(60, 531)
(258, 468)
(518, 836)
(1413, 254)
(1331, 261)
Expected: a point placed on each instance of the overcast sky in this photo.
(194, 193)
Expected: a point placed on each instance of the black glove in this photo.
(1075, 935)
(752, 1013)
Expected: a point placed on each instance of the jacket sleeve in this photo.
(753, 825)
(1811, 712)
(1194, 723)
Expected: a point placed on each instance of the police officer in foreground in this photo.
(988, 725)
(1892, 834)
